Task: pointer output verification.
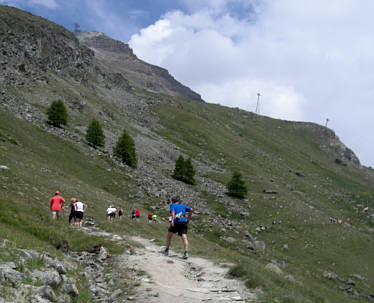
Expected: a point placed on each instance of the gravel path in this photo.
(173, 279)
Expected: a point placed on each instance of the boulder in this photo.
(229, 239)
(8, 274)
(270, 191)
(47, 293)
(280, 264)
(260, 246)
(273, 268)
(248, 236)
(115, 294)
(60, 269)
(351, 282)
(250, 245)
(71, 289)
(358, 277)
(24, 254)
(103, 254)
(49, 277)
(331, 276)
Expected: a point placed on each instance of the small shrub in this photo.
(95, 134)
(189, 171)
(252, 283)
(184, 170)
(237, 272)
(179, 170)
(236, 186)
(125, 149)
(57, 113)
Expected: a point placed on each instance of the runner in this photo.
(72, 210)
(133, 214)
(137, 214)
(150, 217)
(178, 224)
(120, 213)
(56, 204)
(80, 208)
(154, 218)
(111, 212)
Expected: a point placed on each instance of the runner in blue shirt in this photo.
(178, 224)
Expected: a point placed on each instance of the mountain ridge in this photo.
(120, 57)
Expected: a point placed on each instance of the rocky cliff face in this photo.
(332, 144)
(31, 47)
(121, 59)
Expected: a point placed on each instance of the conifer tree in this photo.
(125, 149)
(184, 170)
(236, 186)
(57, 113)
(189, 172)
(95, 134)
(179, 170)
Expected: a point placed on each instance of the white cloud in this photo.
(278, 102)
(309, 59)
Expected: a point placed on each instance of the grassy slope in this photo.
(40, 163)
(275, 150)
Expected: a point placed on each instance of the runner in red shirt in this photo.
(56, 204)
(137, 214)
(150, 217)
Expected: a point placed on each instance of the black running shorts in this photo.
(79, 214)
(179, 227)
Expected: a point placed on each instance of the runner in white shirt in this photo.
(111, 212)
(80, 208)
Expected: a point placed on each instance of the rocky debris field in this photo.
(31, 276)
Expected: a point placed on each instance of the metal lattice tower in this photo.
(327, 121)
(258, 104)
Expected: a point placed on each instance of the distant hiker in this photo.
(154, 218)
(120, 213)
(72, 210)
(178, 224)
(150, 217)
(137, 214)
(80, 208)
(56, 204)
(133, 214)
(111, 212)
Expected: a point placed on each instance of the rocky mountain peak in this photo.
(121, 59)
(100, 41)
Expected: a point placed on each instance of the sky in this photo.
(310, 60)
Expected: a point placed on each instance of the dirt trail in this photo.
(173, 279)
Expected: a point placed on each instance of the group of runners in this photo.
(76, 209)
(112, 212)
(178, 221)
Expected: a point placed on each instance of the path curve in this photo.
(173, 279)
